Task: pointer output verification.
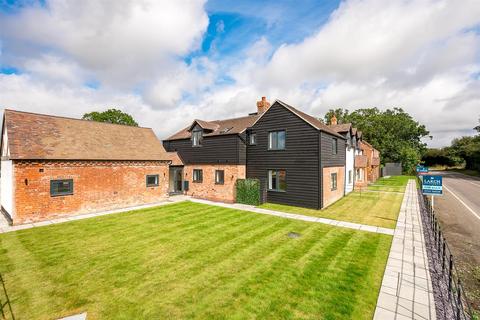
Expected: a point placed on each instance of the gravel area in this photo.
(443, 303)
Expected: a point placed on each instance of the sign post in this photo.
(432, 185)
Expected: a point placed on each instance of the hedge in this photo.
(248, 191)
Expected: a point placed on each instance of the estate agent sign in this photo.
(432, 185)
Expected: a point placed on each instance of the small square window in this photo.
(333, 181)
(197, 175)
(152, 180)
(252, 139)
(61, 187)
(219, 176)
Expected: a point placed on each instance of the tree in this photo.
(468, 149)
(393, 132)
(111, 116)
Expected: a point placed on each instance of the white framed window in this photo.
(349, 176)
(276, 140)
(277, 180)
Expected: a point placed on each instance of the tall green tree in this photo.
(111, 116)
(393, 132)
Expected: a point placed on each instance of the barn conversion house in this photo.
(54, 166)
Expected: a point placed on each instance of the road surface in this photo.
(459, 213)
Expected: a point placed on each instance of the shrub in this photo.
(248, 191)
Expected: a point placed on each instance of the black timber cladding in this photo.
(300, 158)
(227, 149)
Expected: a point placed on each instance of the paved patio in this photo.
(406, 291)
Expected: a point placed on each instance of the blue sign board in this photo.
(422, 169)
(432, 185)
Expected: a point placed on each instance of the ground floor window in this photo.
(219, 176)
(152, 180)
(197, 175)
(349, 176)
(333, 181)
(277, 180)
(61, 187)
(359, 175)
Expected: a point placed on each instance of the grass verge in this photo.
(373, 208)
(191, 260)
(391, 184)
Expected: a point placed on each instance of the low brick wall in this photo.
(329, 195)
(97, 186)
(207, 189)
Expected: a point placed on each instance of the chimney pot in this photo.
(333, 120)
(262, 105)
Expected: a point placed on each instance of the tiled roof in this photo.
(342, 127)
(36, 136)
(218, 127)
(314, 122)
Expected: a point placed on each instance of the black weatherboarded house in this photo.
(288, 152)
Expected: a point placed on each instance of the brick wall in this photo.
(97, 186)
(329, 195)
(207, 189)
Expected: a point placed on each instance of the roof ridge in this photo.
(70, 118)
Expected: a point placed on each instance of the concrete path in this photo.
(406, 291)
(332, 222)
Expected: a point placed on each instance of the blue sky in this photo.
(216, 58)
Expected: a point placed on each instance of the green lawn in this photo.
(391, 184)
(373, 208)
(195, 261)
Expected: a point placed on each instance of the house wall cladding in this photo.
(207, 189)
(97, 185)
(216, 149)
(329, 159)
(300, 158)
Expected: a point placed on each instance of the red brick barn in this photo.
(54, 166)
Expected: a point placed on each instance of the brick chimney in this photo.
(262, 105)
(333, 120)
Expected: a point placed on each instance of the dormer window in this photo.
(197, 138)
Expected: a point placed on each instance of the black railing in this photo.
(6, 311)
(460, 306)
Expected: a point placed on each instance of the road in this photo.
(459, 213)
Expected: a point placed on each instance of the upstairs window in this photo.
(252, 140)
(334, 146)
(197, 175)
(219, 177)
(197, 138)
(277, 180)
(276, 140)
(61, 187)
(152, 180)
(333, 181)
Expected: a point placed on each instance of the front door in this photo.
(176, 180)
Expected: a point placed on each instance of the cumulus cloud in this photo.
(423, 56)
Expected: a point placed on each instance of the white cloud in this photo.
(423, 56)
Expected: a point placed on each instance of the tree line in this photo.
(393, 132)
(463, 151)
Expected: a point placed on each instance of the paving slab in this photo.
(406, 291)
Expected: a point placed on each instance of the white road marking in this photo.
(461, 201)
